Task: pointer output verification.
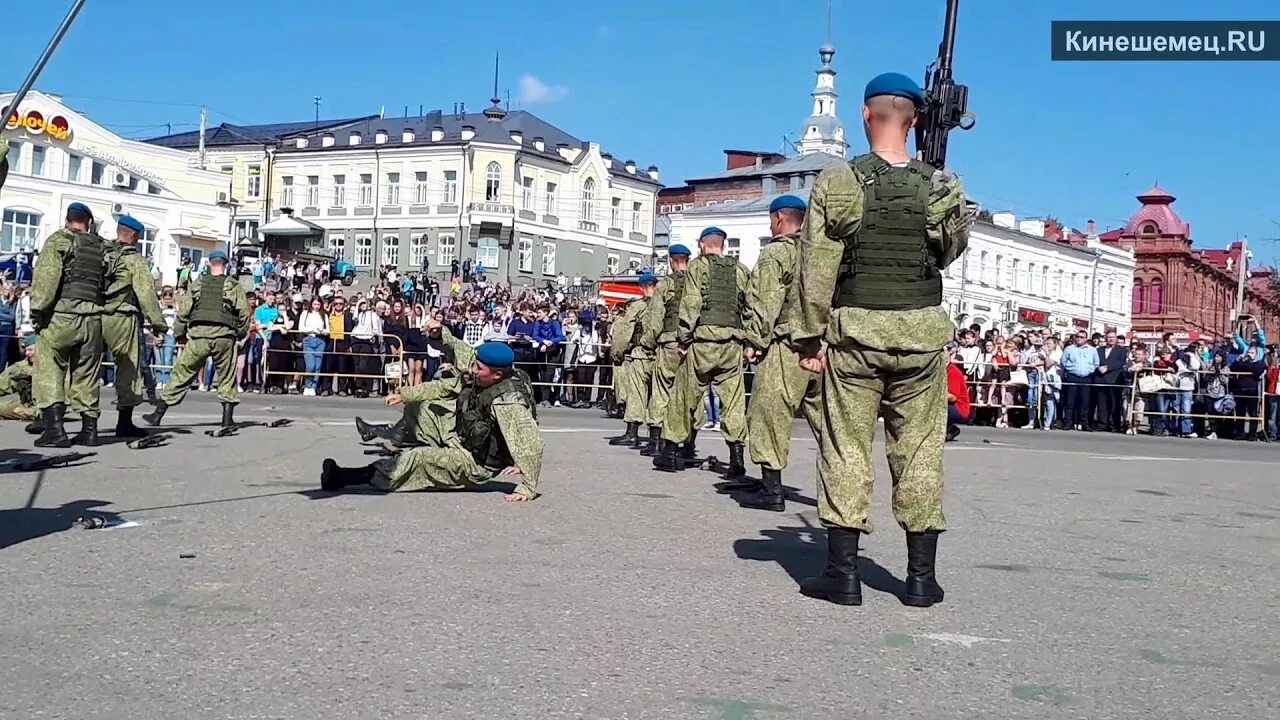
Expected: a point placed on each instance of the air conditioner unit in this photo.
(120, 179)
(223, 197)
(1011, 305)
(118, 209)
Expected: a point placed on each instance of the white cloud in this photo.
(603, 31)
(533, 90)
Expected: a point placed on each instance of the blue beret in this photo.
(30, 340)
(713, 230)
(678, 249)
(894, 84)
(648, 277)
(81, 207)
(495, 355)
(129, 222)
(218, 255)
(786, 202)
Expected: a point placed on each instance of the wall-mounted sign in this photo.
(1080, 324)
(36, 123)
(986, 308)
(113, 159)
(1033, 317)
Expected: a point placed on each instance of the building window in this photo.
(633, 265)
(1155, 297)
(253, 184)
(228, 169)
(492, 182)
(524, 255)
(421, 192)
(1032, 278)
(337, 246)
(37, 159)
(147, 242)
(1015, 281)
(615, 213)
(733, 247)
(548, 258)
(447, 250)
(153, 189)
(133, 183)
(15, 156)
(587, 207)
(487, 253)
(366, 191)
(313, 191)
(1150, 229)
(1044, 280)
(391, 250)
(1111, 299)
(246, 229)
(21, 231)
(611, 265)
(636, 224)
(286, 191)
(526, 193)
(418, 250)
(450, 187)
(364, 250)
(97, 173)
(393, 188)
(339, 191)
(73, 168)
(550, 199)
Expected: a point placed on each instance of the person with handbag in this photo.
(1217, 395)
(1188, 367)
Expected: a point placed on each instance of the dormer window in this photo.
(354, 139)
(1150, 229)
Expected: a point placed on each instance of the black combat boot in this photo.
(228, 415)
(333, 477)
(124, 424)
(630, 437)
(88, 435)
(838, 583)
(154, 417)
(369, 431)
(737, 469)
(923, 589)
(667, 460)
(400, 434)
(650, 448)
(53, 435)
(35, 427)
(771, 496)
(689, 452)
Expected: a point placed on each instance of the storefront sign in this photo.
(35, 123)
(986, 308)
(1033, 317)
(1080, 324)
(112, 159)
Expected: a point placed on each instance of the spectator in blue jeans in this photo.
(711, 404)
(313, 325)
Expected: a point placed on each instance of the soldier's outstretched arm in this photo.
(691, 301)
(520, 431)
(836, 199)
(433, 390)
(46, 276)
(463, 353)
(950, 217)
(144, 289)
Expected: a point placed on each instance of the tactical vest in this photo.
(671, 311)
(210, 308)
(478, 427)
(721, 299)
(889, 263)
(84, 275)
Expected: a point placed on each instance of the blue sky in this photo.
(674, 83)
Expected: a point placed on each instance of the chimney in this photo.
(653, 172)
(407, 136)
(608, 159)
(462, 110)
(354, 139)
(437, 133)
(539, 144)
(379, 137)
(1089, 229)
(631, 167)
(517, 137)
(326, 140)
(468, 132)
(759, 162)
(302, 142)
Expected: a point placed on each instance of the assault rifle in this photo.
(946, 104)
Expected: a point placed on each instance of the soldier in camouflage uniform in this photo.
(781, 385)
(67, 288)
(16, 399)
(637, 365)
(486, 426)
(710, 334)
(212, 318)
(662, 319)
(878, 234)
(130, 293)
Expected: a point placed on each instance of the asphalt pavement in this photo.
(1087, 576)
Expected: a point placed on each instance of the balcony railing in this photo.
(492, 207)
(588, 226)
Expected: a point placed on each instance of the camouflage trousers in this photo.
(12, 408)
(428, 468)
(714, 364)
(190, 363)
(662, 380)
(636, 372)
(70, 346)
(120, 336)
(781, 387)
(433, 421)
(910, 391)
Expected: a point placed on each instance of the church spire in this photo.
(495, 112)
(823, 132)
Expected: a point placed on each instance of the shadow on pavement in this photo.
(18, 525)
(493, 486)
(802, 552)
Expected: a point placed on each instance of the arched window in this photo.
(1139, 297)
(588, 205)
(1149, 228)
(492, 185)
(1155, 297)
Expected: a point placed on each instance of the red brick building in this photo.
(748, 175)
(1182, 290)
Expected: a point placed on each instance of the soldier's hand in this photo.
(511, 470)
(517, 497)
(816, 363)
(749, 354)
(394, 399)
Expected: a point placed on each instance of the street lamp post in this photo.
(233, 205)
(1093, 286)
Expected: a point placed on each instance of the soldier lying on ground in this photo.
(16, 399)
(472, 427)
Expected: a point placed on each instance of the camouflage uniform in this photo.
(659, 338)
(637, 365)
(16, 401)
(70, 331)
(130, 292)
(208, 339)
(878, 361)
